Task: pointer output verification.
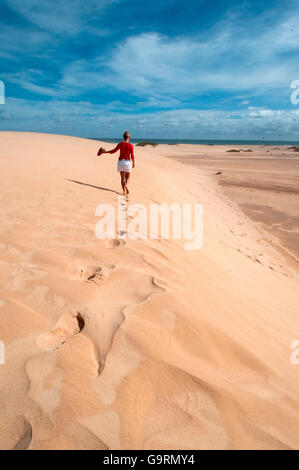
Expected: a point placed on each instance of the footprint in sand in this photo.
(114, 243)
(95, 274)
(15, 432)
(66, 327)
(25, 440)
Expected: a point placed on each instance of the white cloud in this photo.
(66, 17)
(163, 71)
(151, 61)
(27, 78)
(87, 119)
(21, 40)
(159, 68)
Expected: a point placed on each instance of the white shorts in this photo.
(124, 165)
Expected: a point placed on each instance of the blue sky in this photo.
(161, 68)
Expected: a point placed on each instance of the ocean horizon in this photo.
(202, 141)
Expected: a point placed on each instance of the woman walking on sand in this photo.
(126, 155)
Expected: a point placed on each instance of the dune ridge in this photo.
(137, 344)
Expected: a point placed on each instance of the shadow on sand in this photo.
(93, 186)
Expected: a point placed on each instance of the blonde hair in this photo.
(126, 135)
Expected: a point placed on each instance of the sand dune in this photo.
(263, 182)
(137, 344)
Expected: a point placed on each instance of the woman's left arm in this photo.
(133, 156)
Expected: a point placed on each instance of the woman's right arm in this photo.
(113, 150)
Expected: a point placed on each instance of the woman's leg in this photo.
(123, 181)
(127, 181)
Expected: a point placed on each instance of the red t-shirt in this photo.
(126, 149)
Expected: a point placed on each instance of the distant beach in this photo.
(262, 180)
(202, 141)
